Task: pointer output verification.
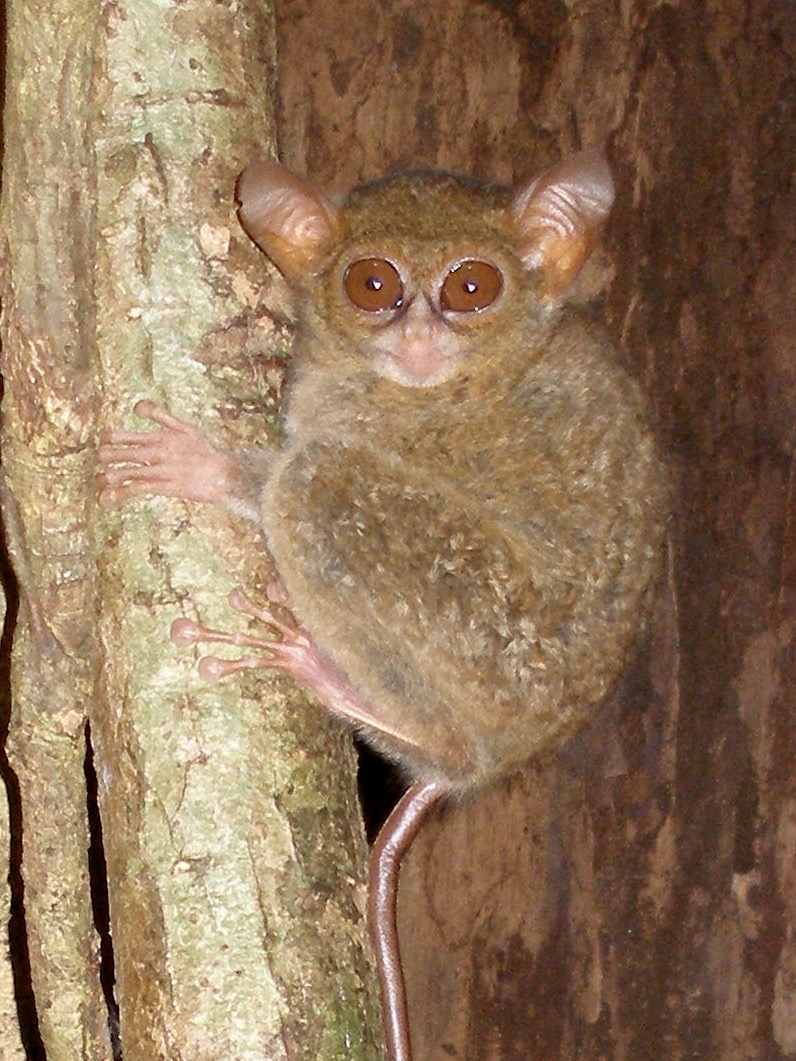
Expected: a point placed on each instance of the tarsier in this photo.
(467, 507)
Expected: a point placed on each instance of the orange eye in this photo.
(373, 284)
(470, 285)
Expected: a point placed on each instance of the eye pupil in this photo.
(469, 286)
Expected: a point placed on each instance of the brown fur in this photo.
(473, 555)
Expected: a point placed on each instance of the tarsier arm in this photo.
(177, 461)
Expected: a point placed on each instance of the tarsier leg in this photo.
(392, 843)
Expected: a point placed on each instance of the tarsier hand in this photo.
(175, 461)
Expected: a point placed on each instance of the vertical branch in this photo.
(232, 912)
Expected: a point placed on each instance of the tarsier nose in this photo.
(419, 322)
(415, 332)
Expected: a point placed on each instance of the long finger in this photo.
(137, 449)
(128, 438)
(113, 493)
(152, 411)
(145, 473)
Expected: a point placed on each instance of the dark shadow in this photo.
(381, 785)
(98, 876)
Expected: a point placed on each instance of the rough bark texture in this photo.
(235, 855)
(635, 898)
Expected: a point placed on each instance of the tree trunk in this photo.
(635, 897)
(234, 855)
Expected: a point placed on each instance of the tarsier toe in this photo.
(185, 632)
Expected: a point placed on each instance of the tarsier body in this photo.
(467, 507)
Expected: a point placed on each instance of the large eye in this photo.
(373, 284)
(470, 285)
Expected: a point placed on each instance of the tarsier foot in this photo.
(292, 652)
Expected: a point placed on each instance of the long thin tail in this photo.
(392, 843)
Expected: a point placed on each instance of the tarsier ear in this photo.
(284, 216)
(558, 217)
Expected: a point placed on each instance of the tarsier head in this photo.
(414, 274)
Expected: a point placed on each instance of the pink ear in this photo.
(558, 217)
(285, 216)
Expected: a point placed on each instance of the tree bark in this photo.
(233, 847)
(634, 898)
